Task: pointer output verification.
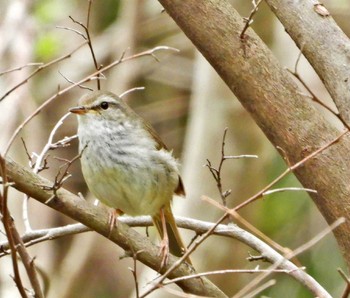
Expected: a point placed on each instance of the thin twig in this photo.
(258, 290)
(21, 67)
(86, 28)
(227, 271)
(248, 21)
(72, 82)
(196, 243)
(201, 239)
(347, 280)
(176, 293)
(73, 30)
(240, 156)
(313, 96)
(62, 177)
(292, 254)
(131, 90)
(134, 272)
(28, 263)
(40, 163)
(200, 227)
(88, 14)
(122, 59)
(37, 236)
(272, 191)
(289, 170)
(27, 153)
(41, 67)
(6, 218)
(316, 238)
(246, 224)
(216, 172)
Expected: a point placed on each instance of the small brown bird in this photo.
(126, 165)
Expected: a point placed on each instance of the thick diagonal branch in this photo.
(323, 43)
(96, 217)
(268, 92)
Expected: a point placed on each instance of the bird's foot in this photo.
(164, 252)
(112, 219)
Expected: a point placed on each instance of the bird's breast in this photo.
(128, 173)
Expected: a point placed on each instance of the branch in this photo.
(20, 67)
(88, 38)
(268, 92)
(318, 292)
(248, 21)
(16, 243)
(150, 52)
(7, 223)
(96, 218)
(323, 44)
(41, 67)
(198, 226)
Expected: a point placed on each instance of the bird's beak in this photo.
(78, 110)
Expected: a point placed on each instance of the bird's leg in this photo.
(164, 244)
(112, 219)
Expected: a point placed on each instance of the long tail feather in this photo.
(176, 245)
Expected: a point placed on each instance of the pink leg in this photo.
(112, 219)
(164, 244)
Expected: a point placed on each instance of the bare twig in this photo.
(62, 176)
(252, 258)
(28, 263)
(41, 67)
(150, 52)
(37, 236)
(27, 153)
(134, 273)
(196, 243)
(72, 82)
(227, 271)
(240, 156)
(50, 144)
(312, 95)
(88, 14)
(234, 231)
(347, 280)
(8, 224)
(200, 227)
(258, 290)
(216, 172)
(289, 170)
(160, 280)
(177, 293)
(293, 254)
(73, 30)
(40, 162)
(316, 238)
(248, 21)
(21, 67)
(272, 191)
(88, 37)
(131, 90)
(246, 224)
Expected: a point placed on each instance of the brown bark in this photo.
(267, 91)
(96, 217)
(324, 45)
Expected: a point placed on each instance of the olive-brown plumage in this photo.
(125, 164)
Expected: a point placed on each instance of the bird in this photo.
(127, 166)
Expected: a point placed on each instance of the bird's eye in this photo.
(104, 105)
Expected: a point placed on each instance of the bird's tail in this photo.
(176, 245)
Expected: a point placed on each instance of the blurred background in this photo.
(188, 105)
